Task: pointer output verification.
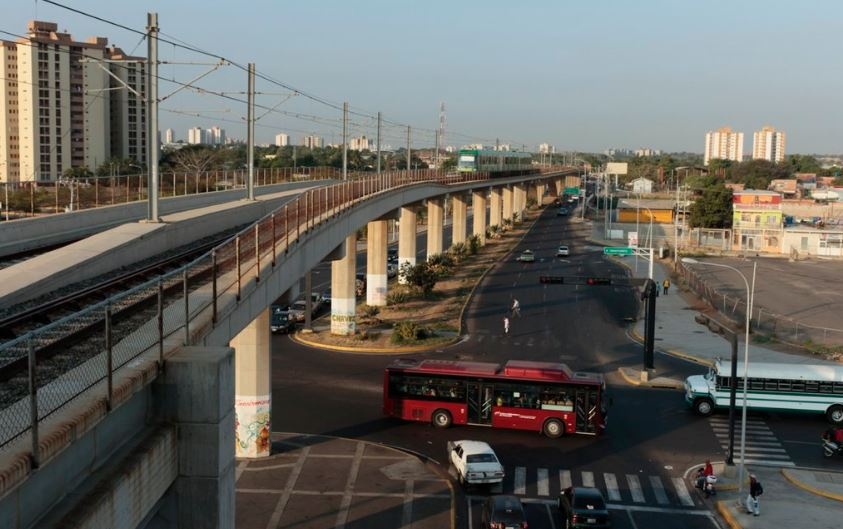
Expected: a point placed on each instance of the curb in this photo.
(674, 385)
(372, 350)
(810, 488)
(724, 511)
(676, 353)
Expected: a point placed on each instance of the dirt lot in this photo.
(439, 313)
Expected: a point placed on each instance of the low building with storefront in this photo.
(631, 210)
(757, 221)
(806, 241)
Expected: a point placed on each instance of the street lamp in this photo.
(750, 294)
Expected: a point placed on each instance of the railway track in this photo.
(69, 348)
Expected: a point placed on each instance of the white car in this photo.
(298, 309)
(562, 251)
(475, 462)
(391, 269)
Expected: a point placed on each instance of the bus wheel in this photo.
(553, 428)
(835, 414)
(441, 419)
(703, 407)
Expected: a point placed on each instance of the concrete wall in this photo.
(22, 235)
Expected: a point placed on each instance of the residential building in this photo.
(757, 221)
(9, 114)
(311, 141)
(282, 140)
(503, 147)
(786, 186)
(768, 144)
(196, 136)
(804, 241)
(169, 136)
(215, 136)
(642, 185)
(723, 144)
(128, 106)
(360, 144)
(546, 148)
(647, 152)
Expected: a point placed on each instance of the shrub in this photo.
(421, 276)
(458, 251)
(407, 332)
(532, 203)
(474, 244)
(441, 264)
(515, 216)
(397, 296)
(370, 311)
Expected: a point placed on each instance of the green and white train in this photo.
(496, 163)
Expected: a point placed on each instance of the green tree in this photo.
(757, 174)
(77, 173)
(422, 276)
(713, 209)
(801, 163)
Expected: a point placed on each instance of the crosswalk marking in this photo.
(565, 479)
(682, 492)
(543, 482)
(588, 479)
(635, 488)
(612, 487)
(520, 485)
(761, 445)
(658, 490)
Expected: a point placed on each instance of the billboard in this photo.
(616, 167)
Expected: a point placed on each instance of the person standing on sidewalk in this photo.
(665, 285)
(506, 325)
(755, 490)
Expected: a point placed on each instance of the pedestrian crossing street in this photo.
(761, 446)
(616, 488)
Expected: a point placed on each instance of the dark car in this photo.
(392, 255)
(562, 212)
(280, 321)
(583, 507)
(360, 284)
(503, 512)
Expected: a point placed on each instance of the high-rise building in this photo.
(311, 141)
(723, 144)
(546, 148)
(61, 108)
(282, 140)
(169, 136)
(768, 144)
(360, 144)
(215, 136)
(196, 136)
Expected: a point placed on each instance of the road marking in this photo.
(588, 479)
(345, 504)
(635, 488)
(682, 492)
(240, 468)
(612, 487)
(275, 519)
(551, 515)
(407, 512)
(565, 479)
(543, 482)
(658, 490)
(520, 485)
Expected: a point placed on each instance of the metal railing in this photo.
(782, 328)
(233, 268)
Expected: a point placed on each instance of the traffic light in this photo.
(558, 280)
(598, 281)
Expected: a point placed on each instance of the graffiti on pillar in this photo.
(252, 425)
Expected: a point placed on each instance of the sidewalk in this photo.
(793, 498)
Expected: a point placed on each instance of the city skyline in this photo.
(584, 93)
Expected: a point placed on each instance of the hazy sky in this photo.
(585, 75)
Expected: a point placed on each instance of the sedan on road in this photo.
(475, 462)
(583, 507)
(503, 511)
(527, 256)
(281, 322)
(562, 251)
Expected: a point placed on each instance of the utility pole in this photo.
(436, 154)
(250, 134)
(152, 115)
(379, 143)
(408, 147)
(345, 141)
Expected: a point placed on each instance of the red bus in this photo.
(544, 397)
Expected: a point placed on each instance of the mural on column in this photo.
(252, 426)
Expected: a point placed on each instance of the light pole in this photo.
(750, 295)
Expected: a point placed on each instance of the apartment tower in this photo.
(724, 144)
(768, 144)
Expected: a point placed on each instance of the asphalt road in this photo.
(651, 439)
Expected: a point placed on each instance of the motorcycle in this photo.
(707, 484)
(830, 447)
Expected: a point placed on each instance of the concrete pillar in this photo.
(435, 219)
(460, 209)
(376, 242)
(559, 187)
(406, 241)
(478, 206)
(495, 213)
(507, 202)
(253, 387)
(343, 284)
(199, 397)
(519, 201)
(539, 190)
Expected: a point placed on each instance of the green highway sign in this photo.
(572, 190)
(617, 250)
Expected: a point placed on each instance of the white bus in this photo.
(814, 388)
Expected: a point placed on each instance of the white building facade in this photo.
(768, 144)
(723, 143)
(282, 140)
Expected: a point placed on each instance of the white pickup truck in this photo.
(475, 462)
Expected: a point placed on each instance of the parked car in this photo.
(360, 284)
(475, 462)
(391, 270)
(562, 251)
(503, 511)
(392, 256)
(527, 256)
(280, 321)
(326, 298)
(583, 507)
(316, 302)
(298, 309)
(563, 212)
